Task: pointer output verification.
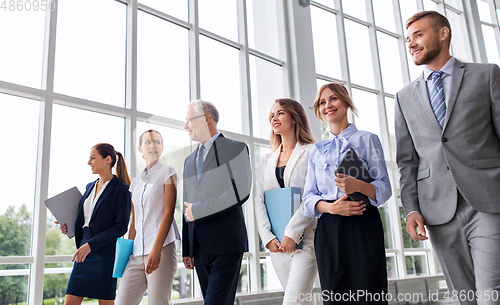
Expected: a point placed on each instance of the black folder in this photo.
(352, 166)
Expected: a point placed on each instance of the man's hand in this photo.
(414, 221)
(287, 245)
(188, 212)
(188, 262)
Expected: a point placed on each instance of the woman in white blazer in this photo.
(286, 166)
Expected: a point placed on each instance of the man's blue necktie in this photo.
(438, 102)
(199, 161)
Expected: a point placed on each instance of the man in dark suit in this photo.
(448, 153)
(217, 181)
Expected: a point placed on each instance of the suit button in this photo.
(444, 139)
(448, 168)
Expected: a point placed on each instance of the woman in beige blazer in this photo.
(286, 166)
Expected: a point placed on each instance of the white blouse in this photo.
(148, 197)
(90, 201)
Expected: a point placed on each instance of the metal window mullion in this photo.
(344, 58)
(195, 92)
(131, 87)
(35, 295)
(266, 57)
(219, 38)
(475, 31)
(285, 52)
(377, 71)
(154, 12)
(247, 127)
(194, 51)
(21, 91)
(494, 18)
(400, 29)
(395, 218)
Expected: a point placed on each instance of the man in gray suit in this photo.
(448, 154)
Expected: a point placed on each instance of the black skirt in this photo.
(93, 277)
(351, 258)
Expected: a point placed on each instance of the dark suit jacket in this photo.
(109, 218)
(217, 196)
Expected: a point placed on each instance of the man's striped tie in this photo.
(437, 97)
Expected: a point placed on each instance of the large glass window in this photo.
(220, 82)
(359, 54)
(19, 133)
(21, 34)
(263, 27)
(90, 56)
(326, 43)
(162, 67)
(220, 18)
(266, 86)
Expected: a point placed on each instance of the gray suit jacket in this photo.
(465, 154)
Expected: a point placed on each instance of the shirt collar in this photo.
(208, 144)
(152, 170)
(346, 133)
(447, 69)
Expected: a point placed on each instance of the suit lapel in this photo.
(456, 82)
(218, 144)
(271, 164)
(296, 154)
(105, 193)
(82, 201)
(423, 94)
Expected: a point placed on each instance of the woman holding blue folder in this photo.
(103, 216)
(349, 238)
(286, 166)
(153, 262)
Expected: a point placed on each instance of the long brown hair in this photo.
(341, 93)
(105, 149)
(303, 133)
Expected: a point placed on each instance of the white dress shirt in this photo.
(148, 197)
(89, 204)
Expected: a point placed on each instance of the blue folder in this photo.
(124, 248)
(281, 205)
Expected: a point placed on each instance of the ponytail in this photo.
(121, 170)
(105, 149)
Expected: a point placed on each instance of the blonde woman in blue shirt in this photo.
(153, 262)
(286, 166)
(349, 240)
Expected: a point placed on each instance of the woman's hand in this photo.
(81, 253)
(347, 184)
(63, 227)
(341, 206)
(274, 245)
(154, 258)
(287, 245)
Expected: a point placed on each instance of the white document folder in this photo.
(64, 207)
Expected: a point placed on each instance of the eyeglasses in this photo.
(193, 118)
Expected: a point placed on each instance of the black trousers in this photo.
(351, 258)
(218, 276)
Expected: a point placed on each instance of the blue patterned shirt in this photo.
(326, 155)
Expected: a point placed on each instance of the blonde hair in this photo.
(342, 94)
(303, 133)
